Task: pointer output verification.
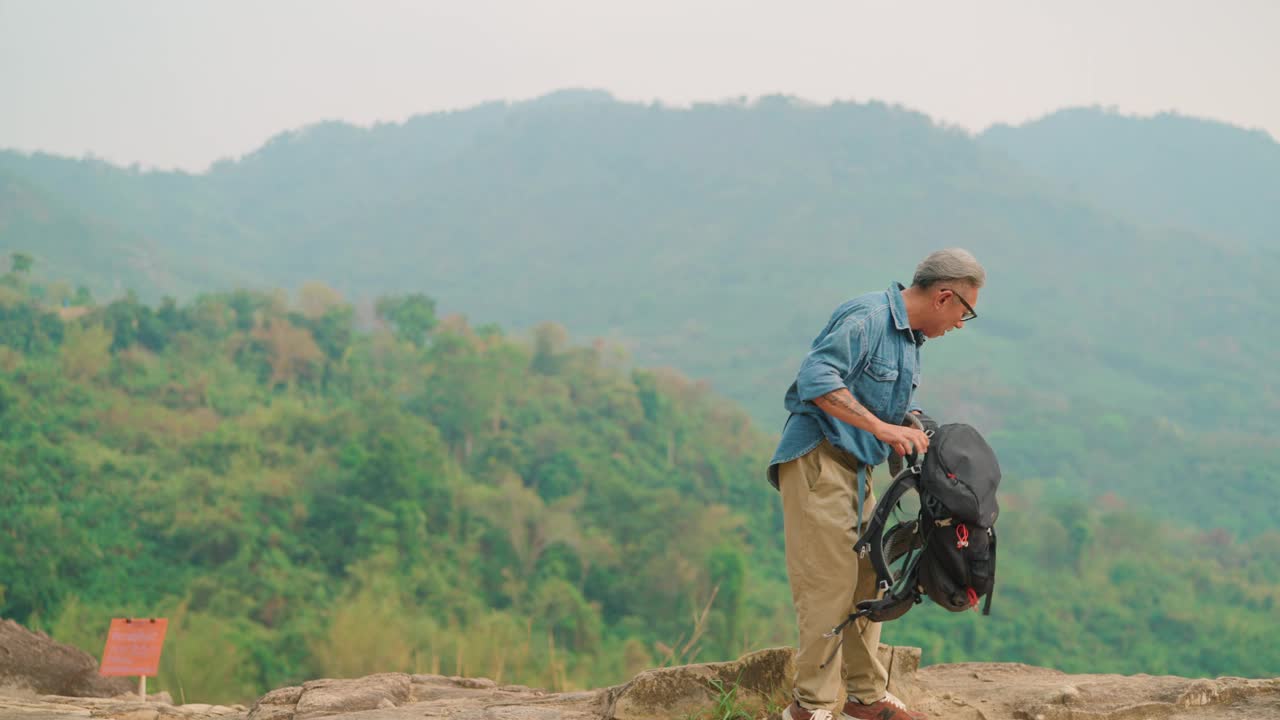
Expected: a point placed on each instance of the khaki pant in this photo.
(819, 494)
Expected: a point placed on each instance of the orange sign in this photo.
(133, 646)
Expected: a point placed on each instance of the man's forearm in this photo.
(840, 405)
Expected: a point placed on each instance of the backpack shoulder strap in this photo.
(872, 539)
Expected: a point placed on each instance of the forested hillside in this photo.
(308, 487)
(1120, 348)
(302, 497)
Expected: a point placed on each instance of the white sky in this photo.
(181, 83)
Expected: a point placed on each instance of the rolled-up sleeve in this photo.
(831, 359)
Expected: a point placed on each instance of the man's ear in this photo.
(941, 298)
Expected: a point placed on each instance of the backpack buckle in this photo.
(883, 586)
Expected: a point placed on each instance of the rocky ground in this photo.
(757, 685)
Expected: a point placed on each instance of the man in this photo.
(847, 404)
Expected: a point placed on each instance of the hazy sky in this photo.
(178, 83)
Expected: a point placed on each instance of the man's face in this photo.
(952, 306)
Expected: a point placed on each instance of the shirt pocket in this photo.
(875, 387)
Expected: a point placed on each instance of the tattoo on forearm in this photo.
(843, 400)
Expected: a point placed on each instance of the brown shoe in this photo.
(887, 708)
(796, 711)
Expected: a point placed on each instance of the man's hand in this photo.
(902, 439)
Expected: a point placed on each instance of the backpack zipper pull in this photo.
(962, 536)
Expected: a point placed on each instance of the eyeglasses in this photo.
(969, 314)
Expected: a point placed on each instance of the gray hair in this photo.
(950, 265)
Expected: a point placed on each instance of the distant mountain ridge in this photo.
(1168, 170)
(51, 226)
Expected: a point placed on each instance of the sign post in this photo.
(133, 648)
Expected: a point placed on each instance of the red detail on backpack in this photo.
(951, 476)
(973, 596)
(962, 536)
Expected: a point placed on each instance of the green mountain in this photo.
(74, 244)
(1165, 171)
(1112, 353)
(117, 229)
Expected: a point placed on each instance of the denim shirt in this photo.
(869, 348)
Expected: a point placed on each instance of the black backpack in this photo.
(948, 550)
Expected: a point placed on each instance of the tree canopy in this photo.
(305, 495)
